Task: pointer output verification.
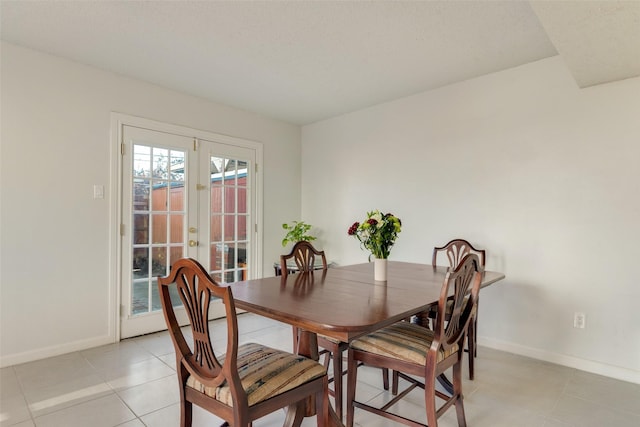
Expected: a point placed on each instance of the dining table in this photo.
(343, 303)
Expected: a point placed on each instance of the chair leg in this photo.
(186, 411)
(385, 378)
(430, 396)
(322, 405)
(395, 380)
(295, 339)
(337, 380)
(472, 345)
(475, 336)
(352, 377)
(186, 407)
(295, 414)
(457, 392)
(470, 354)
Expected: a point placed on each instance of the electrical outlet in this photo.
(579, 320)
(98, 191)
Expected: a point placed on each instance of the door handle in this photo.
(193, 243)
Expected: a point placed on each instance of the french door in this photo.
(182, 197)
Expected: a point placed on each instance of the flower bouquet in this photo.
(377, 233)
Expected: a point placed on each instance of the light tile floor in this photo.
(133, 384)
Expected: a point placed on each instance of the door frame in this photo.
(118, 120)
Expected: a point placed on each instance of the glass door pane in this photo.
(159, 219)
(157, 169)
(229, 219)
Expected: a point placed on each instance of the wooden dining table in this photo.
(343, 303)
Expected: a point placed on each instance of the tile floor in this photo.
(133, 384)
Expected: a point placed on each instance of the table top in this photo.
(345, 302)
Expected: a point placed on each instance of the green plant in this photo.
(297, 231)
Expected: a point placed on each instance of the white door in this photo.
(181, 197)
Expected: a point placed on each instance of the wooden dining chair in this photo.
(305, 255)
(250, 380)
(418, 354)
(454, 251)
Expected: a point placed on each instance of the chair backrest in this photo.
(456, 251)
(196, 288)
(304, 255)
(453, 318)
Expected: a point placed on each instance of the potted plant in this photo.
(297, 231)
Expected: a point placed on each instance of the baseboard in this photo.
(598, 368)
(591, 366)
(57, 350)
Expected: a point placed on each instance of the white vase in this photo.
(380, 270)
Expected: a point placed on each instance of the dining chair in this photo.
(455, 250)
(250, 380)
(418, 354)
(305, 255)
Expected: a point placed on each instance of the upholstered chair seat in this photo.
(264, 373)
(403, 341)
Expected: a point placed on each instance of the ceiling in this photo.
(304, 61)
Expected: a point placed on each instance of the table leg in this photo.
(308, 346)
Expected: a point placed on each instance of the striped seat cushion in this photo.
(404, 341)
(264, 373)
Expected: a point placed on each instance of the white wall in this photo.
(542, 174)
(54, 263)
